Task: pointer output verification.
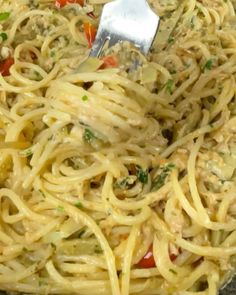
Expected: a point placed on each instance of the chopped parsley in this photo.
(187, 65)
(52, 53)
(173, 271)
(74, 163)
(3, 36)
(169, 86)
(88, 135)
(42, 283)
(98, 249)
(208, 65)
(142, 175)
(79, 205)
(192, 22)
(84, 98)
(60, 209)
(200, 11)
(173, 72)
(160, 180)
(223, 181)
(27, 153)
(169, 167)
(171, 39)
(109, 211)
(38, 77)
(4, 15)
(123, 183)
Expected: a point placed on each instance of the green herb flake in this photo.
(74, 163)
(171, 39)
(88, 135)
(3, 36)
(98, 249)
(187, 65)
(200, 11)
(160, 180)
(208, 65)
(60, 209)
(192, 22)
(173, 72)
(42, 283)
(169, 167)
(211, 125)
(173, 271)
(142, 175)
(79, 205)
(38, 77)
(4, 15)
(109, 211)
(169, 86)
(122, 184)
(52, 53)
(27, 153)
(84, 98)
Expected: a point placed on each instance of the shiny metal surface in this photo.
(122, 20)
(230, 289)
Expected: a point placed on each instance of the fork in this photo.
(126, 20)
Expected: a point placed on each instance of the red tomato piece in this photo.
(109, 61)
(148, 260)
(62, 3)
(5, 66)
(90, 33)
(173, 257)
(91, 14)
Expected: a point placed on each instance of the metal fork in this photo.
(126, 20)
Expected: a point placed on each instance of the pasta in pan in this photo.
(117, 179)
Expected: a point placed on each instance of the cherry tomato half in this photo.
(109, 61)
(90, 33)
(62, 3)
(148, 260)
(5, 66)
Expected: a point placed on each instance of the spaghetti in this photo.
(114, 179)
